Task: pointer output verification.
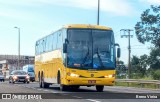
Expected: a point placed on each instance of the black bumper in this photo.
(32, 78)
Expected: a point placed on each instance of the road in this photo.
(84, 94)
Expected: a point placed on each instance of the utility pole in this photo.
(129, 48)
(98, 12)
(18, 47)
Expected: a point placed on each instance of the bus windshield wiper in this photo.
(100, 60)
(85, 58)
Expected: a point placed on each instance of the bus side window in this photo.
(59, 39)
(49, 43)
(54, 41)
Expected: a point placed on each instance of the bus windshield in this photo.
(90, 49)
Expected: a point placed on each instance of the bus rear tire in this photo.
(99, 88)
(44, 85)
(40, 82)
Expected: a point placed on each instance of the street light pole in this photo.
(18, 46)
(98, 12)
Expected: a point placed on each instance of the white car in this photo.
(1, 77)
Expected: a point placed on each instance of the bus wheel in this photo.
(99, 88)
(76, 87)
(44, 85)
(40, 83)
(62, 87)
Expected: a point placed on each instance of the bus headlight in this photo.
(73, 75)
(109, 76)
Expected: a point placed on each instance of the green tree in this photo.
(148, 29)
(139, 66)
(156, 75)
(154, 58)
(120, 69)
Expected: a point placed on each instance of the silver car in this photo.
(19, 76)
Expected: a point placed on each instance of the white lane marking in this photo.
(45, 90)
(53, 92)
(65, 94)
(92, 100)
(33, 88)
(76, 96)
(39, 89)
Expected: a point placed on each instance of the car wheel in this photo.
(13, 81)
(9, 80)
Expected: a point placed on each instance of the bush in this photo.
(156, 75)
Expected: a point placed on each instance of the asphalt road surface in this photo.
(84, 94)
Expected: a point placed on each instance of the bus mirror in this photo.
(118, 52)
(64, 48)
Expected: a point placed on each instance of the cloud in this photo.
(117, 7)
(151, 2)
(156, 2)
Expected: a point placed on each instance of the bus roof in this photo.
(87, 26)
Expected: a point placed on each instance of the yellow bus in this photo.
(77, 55)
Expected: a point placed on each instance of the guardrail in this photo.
(139, 81)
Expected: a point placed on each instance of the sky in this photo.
(38, 18)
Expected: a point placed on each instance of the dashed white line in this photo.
(53, 92)
(32, 87)
(92, 100)
(76, 96)
(65, 94)
(45, 90)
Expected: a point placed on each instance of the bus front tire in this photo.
(76, 87)
(99, 88)
(63, 87)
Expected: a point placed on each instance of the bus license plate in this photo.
(91, 81)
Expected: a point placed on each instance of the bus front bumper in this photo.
(89, 81)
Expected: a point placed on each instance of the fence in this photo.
(140, 82)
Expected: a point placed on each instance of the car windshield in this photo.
(31, 74)
(30, 69)
(19, 73)
(90, 49)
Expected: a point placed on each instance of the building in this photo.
(9, 63)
